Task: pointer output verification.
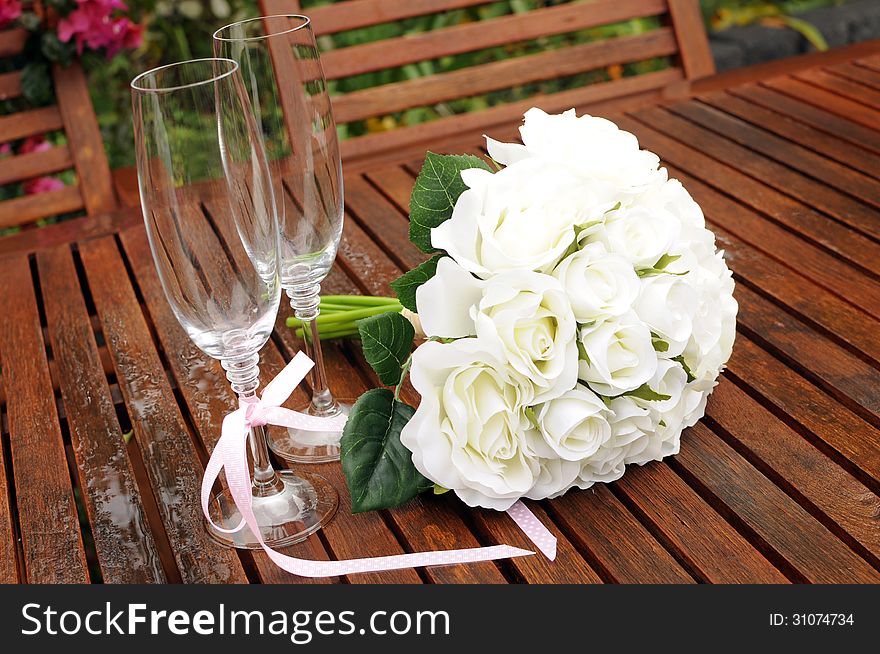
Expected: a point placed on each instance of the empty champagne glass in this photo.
(282, 71)
(210, 216)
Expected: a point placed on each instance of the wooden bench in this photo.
(71, 113)
(678, 37)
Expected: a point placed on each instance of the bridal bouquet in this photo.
(576, 316)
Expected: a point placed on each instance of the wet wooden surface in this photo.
(779, 483)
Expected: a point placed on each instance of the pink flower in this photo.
(42, 185)
(94, 27)
(5, 149)
(34, 144)
(9, 11)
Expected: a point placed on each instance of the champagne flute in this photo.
(282, 71)
(198, 146)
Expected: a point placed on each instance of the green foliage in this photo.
(645, 392)
(378, 469)
(407, 284)
(387, 342)
(36, 84)
(433, 197)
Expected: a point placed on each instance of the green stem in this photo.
(364, 300)
(347, 316)
(404, 371)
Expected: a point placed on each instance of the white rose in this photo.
(641, 233)
(630, 425)
(669, 379)
(599, 285)
(620, 355)
(668, 304)
(522, 217)
(470, 433)
(593, 147)
(665, 437)
(714, 321)
(523, 316)
(555, 476)
(574, 425)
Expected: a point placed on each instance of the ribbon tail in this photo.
(217, 462)
(534, 529)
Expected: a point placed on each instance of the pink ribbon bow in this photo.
(230, 455)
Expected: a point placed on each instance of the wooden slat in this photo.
(34, 164)
(780, 124)
(842, 85)
(28, 208)
(362, 13)
(426, 91)
(613, 540)
(86, 144)
(53, 549)
(394, 182)
(123, 540)
(69, 231)
(468, 37)
(446, 130)
(569, 567)
(852, 381)
(12, 41)
(865, 77)
(765, 185)
(814, 117)
(797, 466)
(826, 100)
(169, 456)
(10, 85)
(28, 123)
(766, 514)
(698, 534)
(382, 221)
(8, 549)
(693, 44)
(787, 66)
(795, 157)
(816, 415)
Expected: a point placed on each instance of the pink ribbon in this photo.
(230, 455)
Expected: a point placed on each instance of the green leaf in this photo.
(434, 195)
(387, 341)
(36, 85)
(659, 268)
(582, 351)
(659, 344)
(56, 50)
(439, 490)
(645, 392)
(378, 469)
(30, 21)
(687, 370)
(407, 284)
(665, 260)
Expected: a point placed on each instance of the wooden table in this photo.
(778, 483)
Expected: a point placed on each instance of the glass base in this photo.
(307, 503)
(300, 446)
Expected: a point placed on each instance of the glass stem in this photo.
(243, 375)
(305, 302)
